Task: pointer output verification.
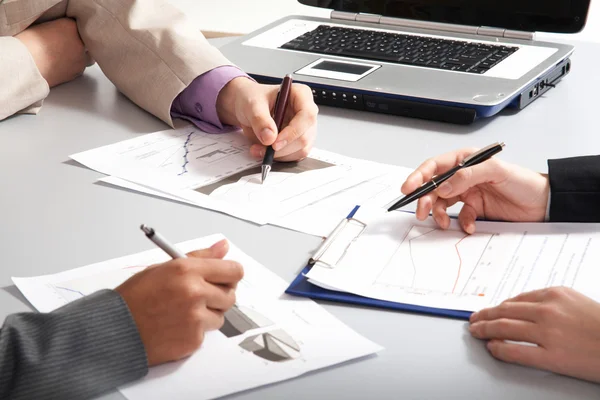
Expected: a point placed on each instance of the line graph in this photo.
(434, 260)
(189, 154)
(186, 151)
(77, 288)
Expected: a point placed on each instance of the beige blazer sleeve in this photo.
(22, 87)
(147, 48)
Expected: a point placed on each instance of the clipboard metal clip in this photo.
(335, 246)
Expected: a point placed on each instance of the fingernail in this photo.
(474, 317)
(445, 188)
(473, 329)
(262, 152)
(265, 134)
(279, 145)
(219, 245)
(470, 228)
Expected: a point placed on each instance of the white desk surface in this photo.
(244, 16)
(55, 217)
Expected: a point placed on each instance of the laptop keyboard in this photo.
(397, 48)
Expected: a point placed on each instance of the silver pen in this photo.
(161, 242)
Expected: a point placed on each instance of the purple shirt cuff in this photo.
(198, 102)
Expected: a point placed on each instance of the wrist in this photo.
(228, 97)
(544, 198)
(547, 197)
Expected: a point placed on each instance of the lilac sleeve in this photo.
(198, 102)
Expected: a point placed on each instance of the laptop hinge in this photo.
(438, 26)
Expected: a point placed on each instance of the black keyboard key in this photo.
(478, 70)
(455, 55)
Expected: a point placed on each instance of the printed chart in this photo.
(415, 266)
(275, 346)
(240, 319)
(77, 288)
(183, 152)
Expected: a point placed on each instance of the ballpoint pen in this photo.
(280, 107)
(474, 159)
(161, 242)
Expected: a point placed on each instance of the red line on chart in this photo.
(459, 262)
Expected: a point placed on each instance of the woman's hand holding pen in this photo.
(493, 190)
(247, 104)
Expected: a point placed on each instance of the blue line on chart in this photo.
(185, 154)
(70, 290)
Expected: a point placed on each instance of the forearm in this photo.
(78, 351)
(575, 189)
(148, 49)
(22, 87)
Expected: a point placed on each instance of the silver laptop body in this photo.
(458, 94)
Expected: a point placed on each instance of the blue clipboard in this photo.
(303, 288)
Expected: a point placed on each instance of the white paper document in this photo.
(321, 217)
(267, 337)
(216, 171)
(397, 258)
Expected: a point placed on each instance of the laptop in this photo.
(446, 60)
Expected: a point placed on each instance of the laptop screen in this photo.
(565, 16)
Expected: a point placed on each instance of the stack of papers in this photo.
(267, 337)
(216, 171)
(393, 257)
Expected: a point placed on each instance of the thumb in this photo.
(258, 115)
(489, 171)
(217, 250)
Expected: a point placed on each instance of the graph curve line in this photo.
(459, 262)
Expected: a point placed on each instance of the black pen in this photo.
(474, 159)
(280, 106)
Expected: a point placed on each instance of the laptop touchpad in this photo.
(336, 69)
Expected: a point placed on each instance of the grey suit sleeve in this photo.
(75, 352)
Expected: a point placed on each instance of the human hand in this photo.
(247, 104)
(493, 190)
(563, 323)
(175, 303)
(57, 50)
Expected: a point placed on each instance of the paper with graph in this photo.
(320, 217)
(267, 336)
(397, 258)
(216, 171)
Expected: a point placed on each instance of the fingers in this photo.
(425, 205)
(209, 320)
(218, 298)
(529, 356)
(466, 218)
(434, 166)
(297, 137)
(260, 120)
(524, 311)
(439, 212)
(506, 329)
(490, 171)
(217, 250)
(221, 272)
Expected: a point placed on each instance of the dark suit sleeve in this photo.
(575, 189)
(75, 352)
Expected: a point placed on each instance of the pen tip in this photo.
(265, 171)
(146, 229)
